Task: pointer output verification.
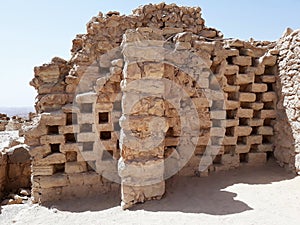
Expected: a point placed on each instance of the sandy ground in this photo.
(262, 195)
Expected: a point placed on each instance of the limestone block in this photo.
(256, 105)
(43, 170)
(268, 78)
(247, 97)
(244, 113)
(229, 140)
(254, 139)
(218, 114)
(268, 60)
(265, 147)
(84, 118)
(132, 71)
(231, 105)
(87, 137)
(217, 131)
(47, 73)
(257, 158)
(75, 167)
(55, 158)
(265, 130)
(229, 123)
(40, 151)
(231, 69)
(231, 160)
(267, 113)
(231, 88)
(255, 122)
(89, 97)
(68, 129)
(257, 87)
(70, 147)
(54, 118)
(242, 130)
(52, 139)
(268, 96)
(242, 149)
(133, 194)
(244, 78)
(141, 173)
(57, 180)
(242, 60)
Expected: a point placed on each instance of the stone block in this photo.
(247, 97)
(267, 113)
(254, 139)
(268, 96)
(242, 130)
(257, 87)
(242, 149)
(52, 139)
(55, 158)
(244, 113)
(244, 78)
(75, 167)
(242, 60)
(257, 158)
(265, 130)
(47, 170)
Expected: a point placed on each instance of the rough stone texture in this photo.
(15, 163)
(288, 126)
(154, 94)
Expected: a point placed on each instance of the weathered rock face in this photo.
(15, 163)
(288, 126)
(150, 95)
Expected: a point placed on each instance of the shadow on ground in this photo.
(192, 194)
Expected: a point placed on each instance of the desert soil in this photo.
(249, 195)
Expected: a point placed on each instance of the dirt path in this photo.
(264, 195)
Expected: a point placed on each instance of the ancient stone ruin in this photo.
(156, 94)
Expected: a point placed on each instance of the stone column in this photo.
(143, 122)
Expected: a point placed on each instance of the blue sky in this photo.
(34, 31)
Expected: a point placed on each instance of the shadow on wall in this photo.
(190, 194)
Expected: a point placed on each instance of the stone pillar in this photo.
(143, 123)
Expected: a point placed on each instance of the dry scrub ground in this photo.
(262, 195)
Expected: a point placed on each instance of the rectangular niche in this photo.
(243, 157)
(87, 146)
(52, 130)
(55, 148)
(71, 119)
(86, 108)
(59, 168)
(105, 135)
(103, 117)
(70, 138)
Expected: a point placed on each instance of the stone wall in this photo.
(15, 163)
(288, 126)
(148, 96)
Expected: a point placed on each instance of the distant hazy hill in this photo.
(17, 111)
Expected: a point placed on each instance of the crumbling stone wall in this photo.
(287, 126)
(147, 96)
(15, 163)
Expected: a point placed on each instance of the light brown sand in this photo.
(263, 195)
